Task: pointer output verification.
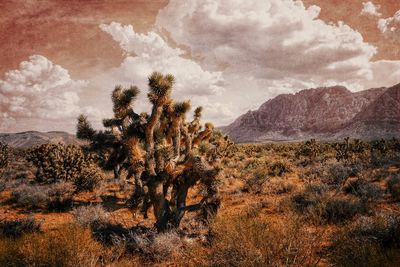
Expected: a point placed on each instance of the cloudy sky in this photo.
(61, 58)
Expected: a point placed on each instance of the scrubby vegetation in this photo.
(68, 163)
(213, 203)
(4, 151)
(297, 204)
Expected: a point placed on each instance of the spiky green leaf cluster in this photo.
(181, 107)
(122, 100)
(84, 129)
(160, 86)
(197, 112)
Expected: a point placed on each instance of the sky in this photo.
(61, 58)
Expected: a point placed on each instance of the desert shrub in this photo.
(59, 196)
(16, 228)
(363, 189)
(68, 246)
(30, 196)
(338, 174)
(279, 168)
(393, 186)
(280, 186)
(58, 162)
(339, 210)
(56, 197)
(255, 183)
(244, 241)
(165, 243)
(4, 155)
(3, 185)
(302, 201)
(316, 188)
(89, 179)
(313, 173)
(87, 215)
(106, 232)
(348, 150)
(308, 150)
(153, 247)
(370, 241)
(322, 209)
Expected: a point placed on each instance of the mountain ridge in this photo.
(324, 113)
(28, 139)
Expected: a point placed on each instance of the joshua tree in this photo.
(161, 151)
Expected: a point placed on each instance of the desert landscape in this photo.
(200, 133)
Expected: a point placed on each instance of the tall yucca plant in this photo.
(159, 150)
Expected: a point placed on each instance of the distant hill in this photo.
(323, 113)
(32, 138)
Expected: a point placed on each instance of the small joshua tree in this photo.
(161, 151)
(309, 149)
(348, 150)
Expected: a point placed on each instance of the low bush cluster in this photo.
(247, 241)
(69, 246)
(4, 155)
(86, 216)
(55, 197)
(68, 163)
(16, 228)
(370, 241)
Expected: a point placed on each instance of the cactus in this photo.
(309, 149)
(58, 162)
(161, 151)
(4, 155)
(348, 150)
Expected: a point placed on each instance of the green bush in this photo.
(279, 168)
(370, 241)
(393, 186)
(363, 189)
(55, 197)
(16, 228)
(4, 155)
(69, 163)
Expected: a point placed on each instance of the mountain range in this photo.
(32, 138)
(325, 113)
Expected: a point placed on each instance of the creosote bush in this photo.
(369, 241)
(279, 168)
(393, 186)
(54, 197)
(249, 241)
(363, 189)
(86, 216)
(4, 155)
(16, 228)
(69, 246)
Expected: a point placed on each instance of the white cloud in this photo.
(265, 48)
(370, 9)
(40, 95)
(390, 26)
(267, 39)
(150, 52)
